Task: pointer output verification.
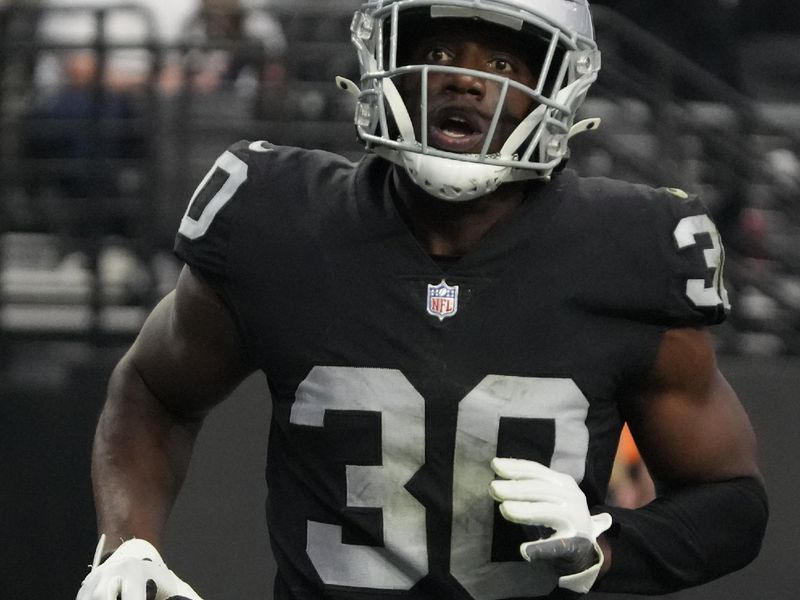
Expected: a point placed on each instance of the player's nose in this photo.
(464, 82)
(467, 79)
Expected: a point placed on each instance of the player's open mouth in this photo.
(456, 131)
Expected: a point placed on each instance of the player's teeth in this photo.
(456, 127)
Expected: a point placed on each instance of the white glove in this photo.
(532, 494)
(135, 571)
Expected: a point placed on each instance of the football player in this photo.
(454, 330)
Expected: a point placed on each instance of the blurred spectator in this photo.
(79, 128)
(242, 48)
(104, 25)
(784, 167)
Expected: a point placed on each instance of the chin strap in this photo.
(401, 116)
(393, 98)
(529, 123)
(399, 110)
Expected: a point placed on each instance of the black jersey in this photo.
(395, 380)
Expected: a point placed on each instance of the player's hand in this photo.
(532, 494)
(135, 571)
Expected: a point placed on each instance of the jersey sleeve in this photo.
(204, 234)
(693, 257)
(208, 225)
(254, 196)
(652, 255)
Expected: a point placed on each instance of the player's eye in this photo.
(502, 64)
(437, 56)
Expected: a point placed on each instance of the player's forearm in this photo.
(685, 538)
(140, 458)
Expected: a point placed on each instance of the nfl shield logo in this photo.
(442, 300)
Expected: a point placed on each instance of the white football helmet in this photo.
(569, 65)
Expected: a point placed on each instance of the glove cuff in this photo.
(132, 548)
(582, 582)
(138, 548)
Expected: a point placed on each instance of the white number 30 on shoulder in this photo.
(698, 292)
(216, 189)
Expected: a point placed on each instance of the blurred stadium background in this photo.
(111, 112)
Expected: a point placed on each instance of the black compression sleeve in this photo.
(686, 537)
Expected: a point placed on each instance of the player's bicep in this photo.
(188, 353)
(688, 422)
